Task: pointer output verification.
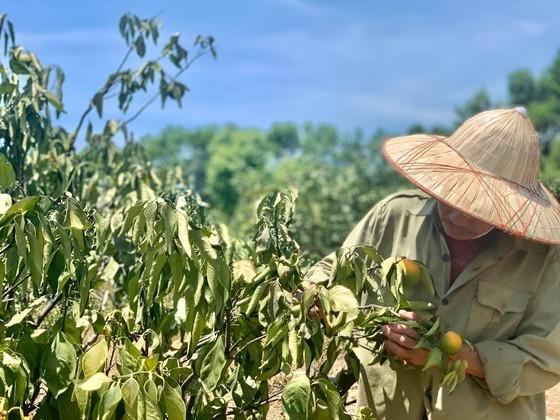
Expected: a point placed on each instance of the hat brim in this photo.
(435, 167)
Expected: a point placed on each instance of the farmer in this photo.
(488, 231)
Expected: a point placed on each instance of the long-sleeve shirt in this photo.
(506, 302)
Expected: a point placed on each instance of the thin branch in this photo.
(158, 94)
(254, 340)
(15, 286)
(3, 250)
(47, 309)
(124, 59)
(104, 89)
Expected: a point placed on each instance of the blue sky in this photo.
(355, 64)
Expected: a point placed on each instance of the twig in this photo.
(254, 340)
(11, 289)
(45, 312)
(174, 78)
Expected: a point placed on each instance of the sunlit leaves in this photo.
(94, 359)
(75, 218)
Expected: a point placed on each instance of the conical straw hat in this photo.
(488, 169)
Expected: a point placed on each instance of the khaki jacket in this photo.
(506, 302)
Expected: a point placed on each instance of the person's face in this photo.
(460, 226)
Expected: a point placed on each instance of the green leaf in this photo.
(95, 359)
(7, 87)
(56, 265)
(75, 218)
(130, 217)
(98, 103)
(95, 382)
(174, 404)
(183, 232)
(83, 400)
(154, 275)
(256, 297)
(213, 365)
(434, 358)
(18, 67)
(20, 316)
(108, 403)
(176, 263)
(372, 253)
(134, 401)
(7, 174)
(426, 279)
(58, 364)
(21, 207)
(296, 397)
(36, 245)
(342, 299)
(434, 329)
(170, 221)
(277, 331)
(151, 397)
(203, 244)
(140, 46)
(331, 397)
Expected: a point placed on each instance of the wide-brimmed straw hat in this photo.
(488, 168)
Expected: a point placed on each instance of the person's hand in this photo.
(401, 339)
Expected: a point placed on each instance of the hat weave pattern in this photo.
(488, 168)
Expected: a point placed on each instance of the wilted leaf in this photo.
(243, 270)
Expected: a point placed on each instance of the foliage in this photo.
(479, 102)
(338, 176)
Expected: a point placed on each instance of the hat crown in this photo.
(502, 142)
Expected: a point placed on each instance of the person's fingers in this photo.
(409, 315)
(404, 330)
(399, 336)
(414, 357)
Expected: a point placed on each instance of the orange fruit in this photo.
(411, 272)
(450, 343)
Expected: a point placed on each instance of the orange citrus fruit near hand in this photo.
(450, 343)
(411, 272)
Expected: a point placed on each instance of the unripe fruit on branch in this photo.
(450, 343)
(411, 272)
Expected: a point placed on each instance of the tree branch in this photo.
(47, 309)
